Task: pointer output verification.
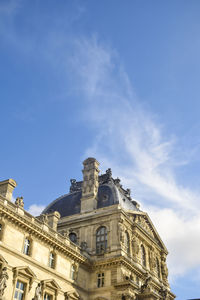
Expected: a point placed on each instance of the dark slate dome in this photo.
(110, 192)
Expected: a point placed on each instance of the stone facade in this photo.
(108, 252)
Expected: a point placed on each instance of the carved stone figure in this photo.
(163, 292)
(146, 284)
(19, 202)
(152, 260)
(164, 269)
(83, 246)
(38, 292)
(3, 278)
(135, 245)
(121, 232)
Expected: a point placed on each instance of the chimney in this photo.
(7, 187)
(90, 185)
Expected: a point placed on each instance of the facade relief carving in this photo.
(152, 260)
(3, 281)
(164, 269)
(121, 232)
(146, 287)
(144, 224)
(38, 292)
(163, 293)
(135, 245)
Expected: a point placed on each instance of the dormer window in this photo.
(101, 240)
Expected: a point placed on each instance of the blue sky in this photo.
(116, 80)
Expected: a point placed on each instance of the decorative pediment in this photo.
(50, 283)
(24, 272)
(72, 295)
(143, 220)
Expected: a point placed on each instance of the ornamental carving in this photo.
(127, 296)
(135, 245)
(3, 281)
(163, 293)
(121, 232)
(164, 269)
(146, 286)
(38, 292)
(143, 223)
(152, 260)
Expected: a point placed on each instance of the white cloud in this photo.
(36, 209)
(130, 139)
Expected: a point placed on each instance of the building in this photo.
(91, 244)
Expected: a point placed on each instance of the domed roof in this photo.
(110, 192)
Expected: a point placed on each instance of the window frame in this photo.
(18, 289)
(50, 264)
(2, 231)
(100, 279)
(101, 240)
(30, 248)
(51, 288)
(26, 276)
(26, 248)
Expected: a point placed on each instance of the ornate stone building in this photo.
(91, 244)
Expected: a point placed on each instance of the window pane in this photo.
(16, 293)
(21, 286)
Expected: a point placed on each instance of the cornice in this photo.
(33, 226)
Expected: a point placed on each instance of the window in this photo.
(1, 230)
(47, 296)
(100, 280)
(52, 260)
(101, 240)
(143, 256)
(73, 237)
(19, 290)
(127, 242)
(26, 246)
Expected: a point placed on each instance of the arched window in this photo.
(158, 267)
(73, 237)
(143, 256)
(101, 240)
(127, 242)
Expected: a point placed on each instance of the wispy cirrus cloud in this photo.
(131, 140)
